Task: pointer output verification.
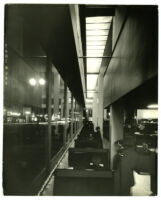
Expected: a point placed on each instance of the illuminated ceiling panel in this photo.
(97, 30)
(95, 51)
(98, 19)
(101, 47)
(93, 65)
(96, 43)
(90, 94)
(96, 38)
(98, 26)
(89, 100)
(91, 81)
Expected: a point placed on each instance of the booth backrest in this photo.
(83, 183)
(88, 158)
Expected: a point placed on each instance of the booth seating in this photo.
(151, 140)
(89, 158)
(131, 160)
(83, 183)
(86, 143)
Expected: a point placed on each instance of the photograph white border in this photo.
(113, 2)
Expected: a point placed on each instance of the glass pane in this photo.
(57, 130)
(68, 131)
(25, 117)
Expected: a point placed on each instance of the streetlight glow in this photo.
(41, 81)
(32, 82)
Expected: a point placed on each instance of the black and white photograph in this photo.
(80, 99)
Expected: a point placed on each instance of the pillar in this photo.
(98, 104)
(72, 115)
(116, 127)
(56, 91)
(49, 111)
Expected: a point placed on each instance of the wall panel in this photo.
(135, 56)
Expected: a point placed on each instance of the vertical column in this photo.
(49, 102)
(72, 116)
(95, 109)
(65, 113)
(56, 89)
(100, 103)
(116, 127)
(75, 116)
(62, 107)
(56, 92)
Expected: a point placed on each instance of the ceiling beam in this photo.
(99, 11)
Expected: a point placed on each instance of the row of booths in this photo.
(88, 172)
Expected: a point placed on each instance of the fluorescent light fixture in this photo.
(90, 94)
(91, 81)
(95, 47)
(93, 69)
(97, 26)
(95, 52)
(96, 38)
(93, 65)
(41, 81)
(97, 32)
(94, 61)
(98, 19)
(96, 43)
(32, 81)
(153, 106)
(94, 55)
(89, 100)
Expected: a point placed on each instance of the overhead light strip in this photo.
(98, 22)
(105, 19)
(97, 30)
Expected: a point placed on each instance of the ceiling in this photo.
(96, 27)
